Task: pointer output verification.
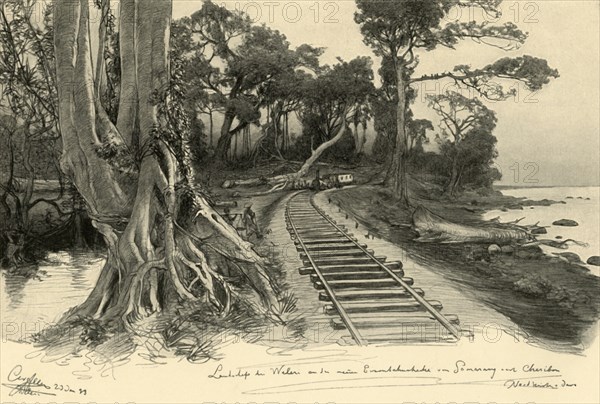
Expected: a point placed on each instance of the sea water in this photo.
(582, 204)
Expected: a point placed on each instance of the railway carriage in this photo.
(339, 180)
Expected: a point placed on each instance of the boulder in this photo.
(529, 252)
(494, 249)
(593, 260)
(477, 253)
(539, 230)
(507, 249)
(558, 237)
(570, 257)
(565, 222)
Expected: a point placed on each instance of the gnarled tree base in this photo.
(190, 270)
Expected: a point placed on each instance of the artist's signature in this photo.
(513, 384)
(21, 383)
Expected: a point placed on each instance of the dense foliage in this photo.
(29, 135)
(401, 32)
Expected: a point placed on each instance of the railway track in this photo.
(371, 298)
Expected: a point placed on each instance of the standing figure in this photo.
(249, 221)
(228, 217)
(316, 185)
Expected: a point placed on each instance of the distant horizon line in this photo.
(509, 186)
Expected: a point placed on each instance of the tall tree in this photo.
(417, 134)
(165, 241)
(398, 29)
(328, 104)
(472, 159)
(283, 95)
(361, 117)
(230, 60)
(385, 105)
(460, 116)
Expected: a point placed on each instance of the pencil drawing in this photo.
(179, 175)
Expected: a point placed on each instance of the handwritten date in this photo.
(20, 383)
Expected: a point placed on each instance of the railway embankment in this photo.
(554, 302)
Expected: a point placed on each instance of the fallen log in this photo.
(435, 229)
(287, 181)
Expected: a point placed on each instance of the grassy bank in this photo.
(550, 299)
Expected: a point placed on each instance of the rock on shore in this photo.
(594, 260)
(565, 222)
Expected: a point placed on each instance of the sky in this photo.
(548, 138)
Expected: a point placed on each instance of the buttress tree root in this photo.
(165, 242)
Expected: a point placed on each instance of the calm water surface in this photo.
(578, 207)
(64, 280)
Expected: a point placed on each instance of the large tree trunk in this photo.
(8, 184)
(165, 231)
(433, 228)
(224, 142)
(100, 76)
(235, 146)
(278, 133)
(30, 177)
(364, 137)
(210, 129)
(286, 132)
(92, 175)
(127, 121)
(356, 138)
(396, 178)
(454, 177)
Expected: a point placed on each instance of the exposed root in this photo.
(563, 244)
(102, 305)
(135, 294)
(205, 274)
(153, 292)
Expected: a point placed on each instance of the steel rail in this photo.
(341, 311)
(436, 314)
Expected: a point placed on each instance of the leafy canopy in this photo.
(460, 115)
(396, 29)
(228, 60)
(333, 96)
